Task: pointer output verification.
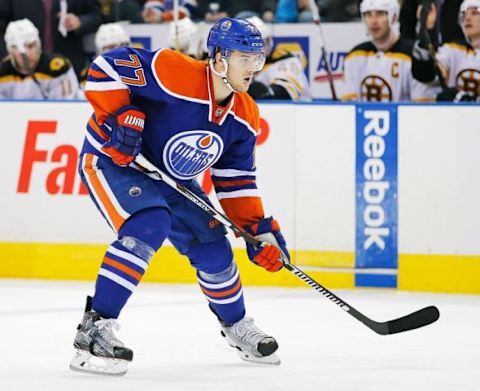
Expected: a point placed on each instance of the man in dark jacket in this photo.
(79, 17)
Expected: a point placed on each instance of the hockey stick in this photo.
(316, 20)
(417, 319)
(426, 4)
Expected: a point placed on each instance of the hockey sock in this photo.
(127, 259)
(224, 292)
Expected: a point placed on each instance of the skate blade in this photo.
(273, 359)
(84, 361)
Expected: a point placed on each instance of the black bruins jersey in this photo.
(53, 78)
(462, 63)
(373, 75)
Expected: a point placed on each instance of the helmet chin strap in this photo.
(223, 74)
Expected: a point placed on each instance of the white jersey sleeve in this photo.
(288, 73)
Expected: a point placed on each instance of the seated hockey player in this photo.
(184, 125)
(110, 36)
(180, 34)
(282, 77)
(380, 70)
(29, 73)
(458, 62)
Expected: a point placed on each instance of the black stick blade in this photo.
(415, 320)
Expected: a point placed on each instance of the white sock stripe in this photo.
(116, 278)
(221, 285)
(128, 256)
(226, 301)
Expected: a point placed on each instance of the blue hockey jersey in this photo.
(186, 131)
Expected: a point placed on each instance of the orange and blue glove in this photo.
(273, 253)
(126, 135)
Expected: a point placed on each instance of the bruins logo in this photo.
(56, 64)
(375, 89)
(468, 80)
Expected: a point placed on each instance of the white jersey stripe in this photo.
(104, 86)
(230, 172)
(239, 193)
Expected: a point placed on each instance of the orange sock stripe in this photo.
(231, 291)
(115, 217)
(123, 268)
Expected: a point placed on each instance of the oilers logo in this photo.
(189, 153)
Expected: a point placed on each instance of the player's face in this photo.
(471, 22)
(26, 62)
(377, 24)
(242, 67)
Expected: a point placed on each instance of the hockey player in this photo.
(283, 76)
(380, 69)
(28, 73)
(458, 62)
(110, 36)
(184, 125)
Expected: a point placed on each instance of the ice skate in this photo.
(251, 343)
(98, 350)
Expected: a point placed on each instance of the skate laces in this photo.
(106, 329)
(248, 332)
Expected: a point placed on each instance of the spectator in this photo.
(211, 11)
(110, 36)
(459, 62)
(181, 35)
(159, 11)
(282, 77)
(125, 10)
(29, 73)
(62, 24)
(380, 69)
(292, 11)
(445, 27)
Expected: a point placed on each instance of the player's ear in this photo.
(218, 59)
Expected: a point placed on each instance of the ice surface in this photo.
(177, 343)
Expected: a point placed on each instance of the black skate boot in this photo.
(98, 350)
(251, 343)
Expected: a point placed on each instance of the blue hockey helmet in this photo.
(229, 34)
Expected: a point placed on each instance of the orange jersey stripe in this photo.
(233, 183)
(106, 103)
(97, 129)
(115, 217)
(123, 268)
(97, 74)
(243, 210)
(235, 289)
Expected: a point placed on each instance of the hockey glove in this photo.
(273, 253)
(126, 135)
(451, 94)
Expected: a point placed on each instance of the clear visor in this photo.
(472, 11)
(253, 61)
